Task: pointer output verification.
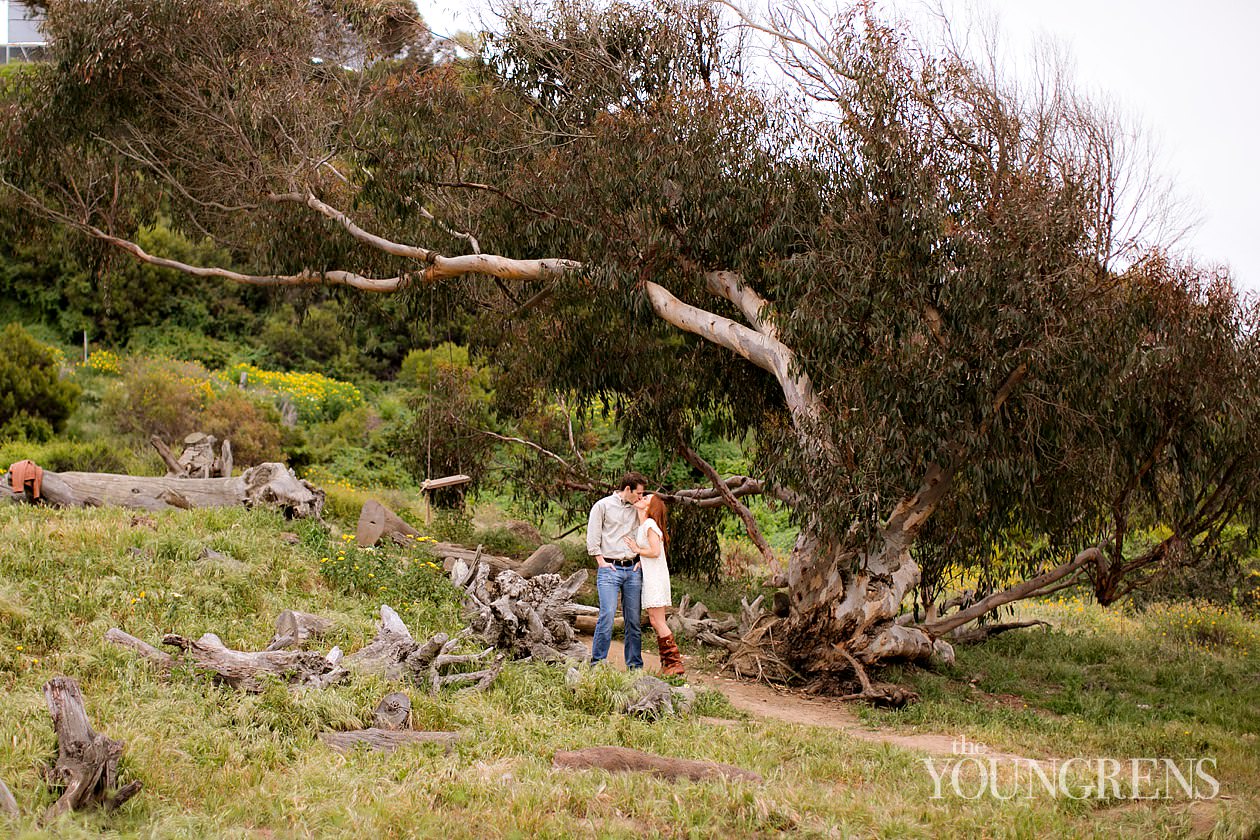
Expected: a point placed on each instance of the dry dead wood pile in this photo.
(526, 618)
(394, 654)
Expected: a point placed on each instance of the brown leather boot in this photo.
(671, 658)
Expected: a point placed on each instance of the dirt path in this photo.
(796, 707)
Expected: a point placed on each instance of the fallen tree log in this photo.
(586, 623)
(87, 761)
(266, 485)
(161, 660)
(983, 632)
(377, 522)
(625, 760)
(248, 671)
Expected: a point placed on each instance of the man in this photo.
(617, 571)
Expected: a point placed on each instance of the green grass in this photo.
(1103, 683)
(218, 763)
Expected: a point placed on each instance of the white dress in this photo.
(655, 570)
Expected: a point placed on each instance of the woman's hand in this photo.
(632, 545)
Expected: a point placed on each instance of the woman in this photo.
(650, 543)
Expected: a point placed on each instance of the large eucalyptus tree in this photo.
(911, 281)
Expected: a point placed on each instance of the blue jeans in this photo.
(611, 581)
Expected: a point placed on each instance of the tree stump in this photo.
(393, 712)
(87, 761)
(525, 618)
(654, 698)
(625, 760)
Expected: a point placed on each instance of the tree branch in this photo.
(1015, 593)
(750, 524)
(765, 352)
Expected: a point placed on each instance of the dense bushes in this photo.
(34, 400)
(172, 399)
(450, 400)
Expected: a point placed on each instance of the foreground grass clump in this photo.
(1106, 683)
(218, 763)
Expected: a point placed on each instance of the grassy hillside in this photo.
(217, 763)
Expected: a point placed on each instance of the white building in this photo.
(20, 38)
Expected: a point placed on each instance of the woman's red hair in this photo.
(656, 511)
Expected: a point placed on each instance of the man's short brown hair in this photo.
(631, 480)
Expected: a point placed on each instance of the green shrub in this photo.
(253, 429)
(1203, 624)
(67, 456)
(34, 400)
(185, 344)
(157, 397)
(450, 402)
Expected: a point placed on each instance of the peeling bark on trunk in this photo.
(267, 485)
(87, 761)
(625, 760)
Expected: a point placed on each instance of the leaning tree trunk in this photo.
(844, 603)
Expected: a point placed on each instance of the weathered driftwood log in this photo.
(160, 659)
(385, 740)
(87, 761)
(174, 469)
(546, 560)
(393, 712)
(267, 485)
(654, 698)
(377, 521)
(625, 760)
(8, 805)
(524, 618)
(249, 670)
(394, 654)
(293, 628)
(585, 623)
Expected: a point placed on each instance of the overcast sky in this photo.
(1188, 72)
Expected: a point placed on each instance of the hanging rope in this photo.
(428, 457)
